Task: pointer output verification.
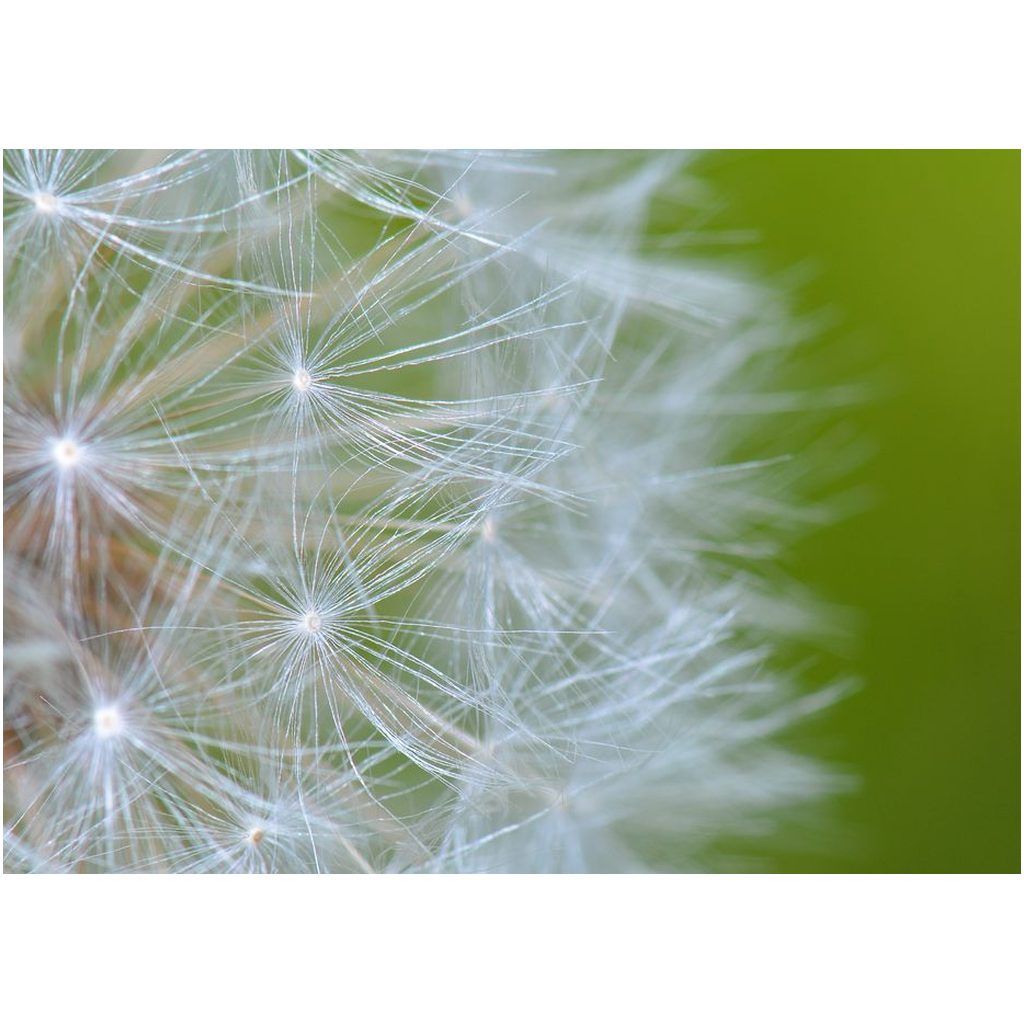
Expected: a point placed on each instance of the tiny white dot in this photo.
(311, 622)
(302, 380)
(489, 529)
(107, 723)
(66, 453)
(46, 203)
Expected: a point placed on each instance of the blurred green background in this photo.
(916, 257)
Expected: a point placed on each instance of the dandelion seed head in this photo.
(472, 540)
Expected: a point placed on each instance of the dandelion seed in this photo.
(312, 623)
(256, 835)
(302, 381)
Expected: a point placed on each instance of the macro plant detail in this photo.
(387, 512)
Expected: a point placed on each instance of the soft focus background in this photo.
(912, 259)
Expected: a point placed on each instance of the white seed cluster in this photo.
(391, 512)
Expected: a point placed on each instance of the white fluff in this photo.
(379, 512)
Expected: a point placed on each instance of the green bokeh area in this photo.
(915, 257)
